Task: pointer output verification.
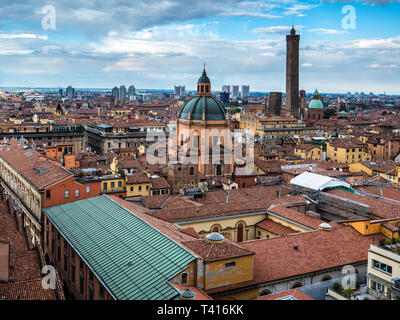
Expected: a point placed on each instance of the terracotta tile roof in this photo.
(198, 293)
(275, 227)
(154, 202)
(159, 183)
(296, 216)
(137, 177)
(29, 166)
(24, 263)
(277, 258)
(26, 290)
(295, 293)
(177, 201)
(217, 251)
(346, 143)
(209, 211)
(190, 231)
(128, 162)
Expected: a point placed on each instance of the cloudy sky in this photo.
(161, 43)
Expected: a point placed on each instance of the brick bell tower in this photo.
(292, 73)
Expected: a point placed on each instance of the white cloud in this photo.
(327, 31)
(22, 36)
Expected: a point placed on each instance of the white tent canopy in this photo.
(317, 182)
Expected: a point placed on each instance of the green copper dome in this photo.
(212, 109)
(316, 104)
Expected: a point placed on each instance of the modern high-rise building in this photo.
(245, 91)
(226, 89)
(131, 92)
(115, 93)
(122, 93)
(70, 92)
(180, 91)
(235, 91)
(292, 73)
(274, 104)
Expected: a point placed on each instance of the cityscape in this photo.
(151, 169)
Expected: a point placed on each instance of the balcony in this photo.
(395, 289)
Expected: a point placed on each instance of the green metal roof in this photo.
(316, 104)
(212, 108)
(130, 257)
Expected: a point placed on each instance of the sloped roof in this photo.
(317, 182)
(133, 259)
(277, 258)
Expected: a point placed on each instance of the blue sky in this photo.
(162, 43)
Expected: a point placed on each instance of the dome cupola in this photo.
(203, 106)
(316, 102)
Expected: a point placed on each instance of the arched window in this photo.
(215, 228)
(297, 285)
(326, 278)
(240, 227)
(265, 293)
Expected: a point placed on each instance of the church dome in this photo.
(199, 105)
(203, 106)
(316, 103)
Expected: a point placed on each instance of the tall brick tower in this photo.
(292, 73)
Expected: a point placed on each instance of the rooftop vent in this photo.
(41, 171)
(187, 294)
(325, 226)
(215, 237)
(296, 247)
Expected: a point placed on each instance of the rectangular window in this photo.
(76, 193)
(230, 264)
(48, 194)
(66, 193)
(119, 184)
(112, 185)
(140, 188)
(184, 278)
(105, 186)
(87, 189)
(381, 266)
